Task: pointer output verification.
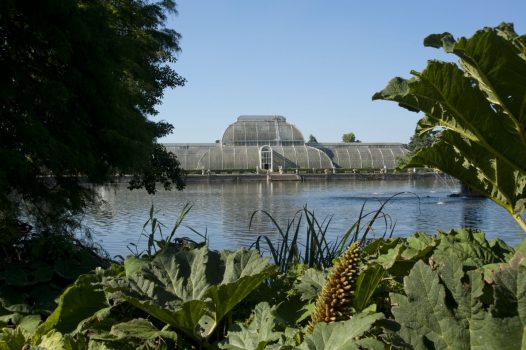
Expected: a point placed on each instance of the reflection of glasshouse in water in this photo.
(269, 142)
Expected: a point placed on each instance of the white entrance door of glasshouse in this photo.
(265, 158)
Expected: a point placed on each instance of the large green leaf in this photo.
(423, 314)
(471, 247)
(137, 333)
(241, 263)
(418, 246)
(503, 325)
(140, 328)
(78, 302)
(481, 105)
(13, 339)
(470, 163)
(192, 290)
(58, 341)
(224, 297)
(257, 335)
(311, 284)
(508, 313)
(185, 317)
(341, 335)
(133, 264)
(490, 270)
(402, 253)
(448, 309)
(500, 76)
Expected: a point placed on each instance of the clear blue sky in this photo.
(315, 62)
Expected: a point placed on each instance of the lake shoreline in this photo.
(193, 178)
(227, 177)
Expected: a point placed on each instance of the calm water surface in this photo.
(223, 210)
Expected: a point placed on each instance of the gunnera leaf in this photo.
(140, 328)
(479, 106)
(399, 258)
(13, 339)
(311, 284)
(57, 340)
(506, 318)
(192, 290)
(77, 302)
(258, 334)
(448, 308)
(341, 335)
(471, 247)
(516, 260)
(423, 314)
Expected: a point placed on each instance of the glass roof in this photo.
(242, 142)
(255, 130)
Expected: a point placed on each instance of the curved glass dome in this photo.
(262, 130)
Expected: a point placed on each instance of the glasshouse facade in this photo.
(269, 143)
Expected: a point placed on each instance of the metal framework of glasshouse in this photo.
(270, 143)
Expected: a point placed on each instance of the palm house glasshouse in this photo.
(269, 143)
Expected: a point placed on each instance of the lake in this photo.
(223, 210)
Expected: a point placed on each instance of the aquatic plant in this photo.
(317, 251)
(152, 230)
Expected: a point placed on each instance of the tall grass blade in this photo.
(180, 218)
(318, 251)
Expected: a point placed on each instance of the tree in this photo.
(417, 143)
(349, 137)
(79, 81)
(312, 139)
(420, 141)
(480, 104)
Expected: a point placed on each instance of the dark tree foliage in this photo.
(79, 79)
(312, 139)
(163, 167)
(417, 143)
(420, 141)
(349, 137)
